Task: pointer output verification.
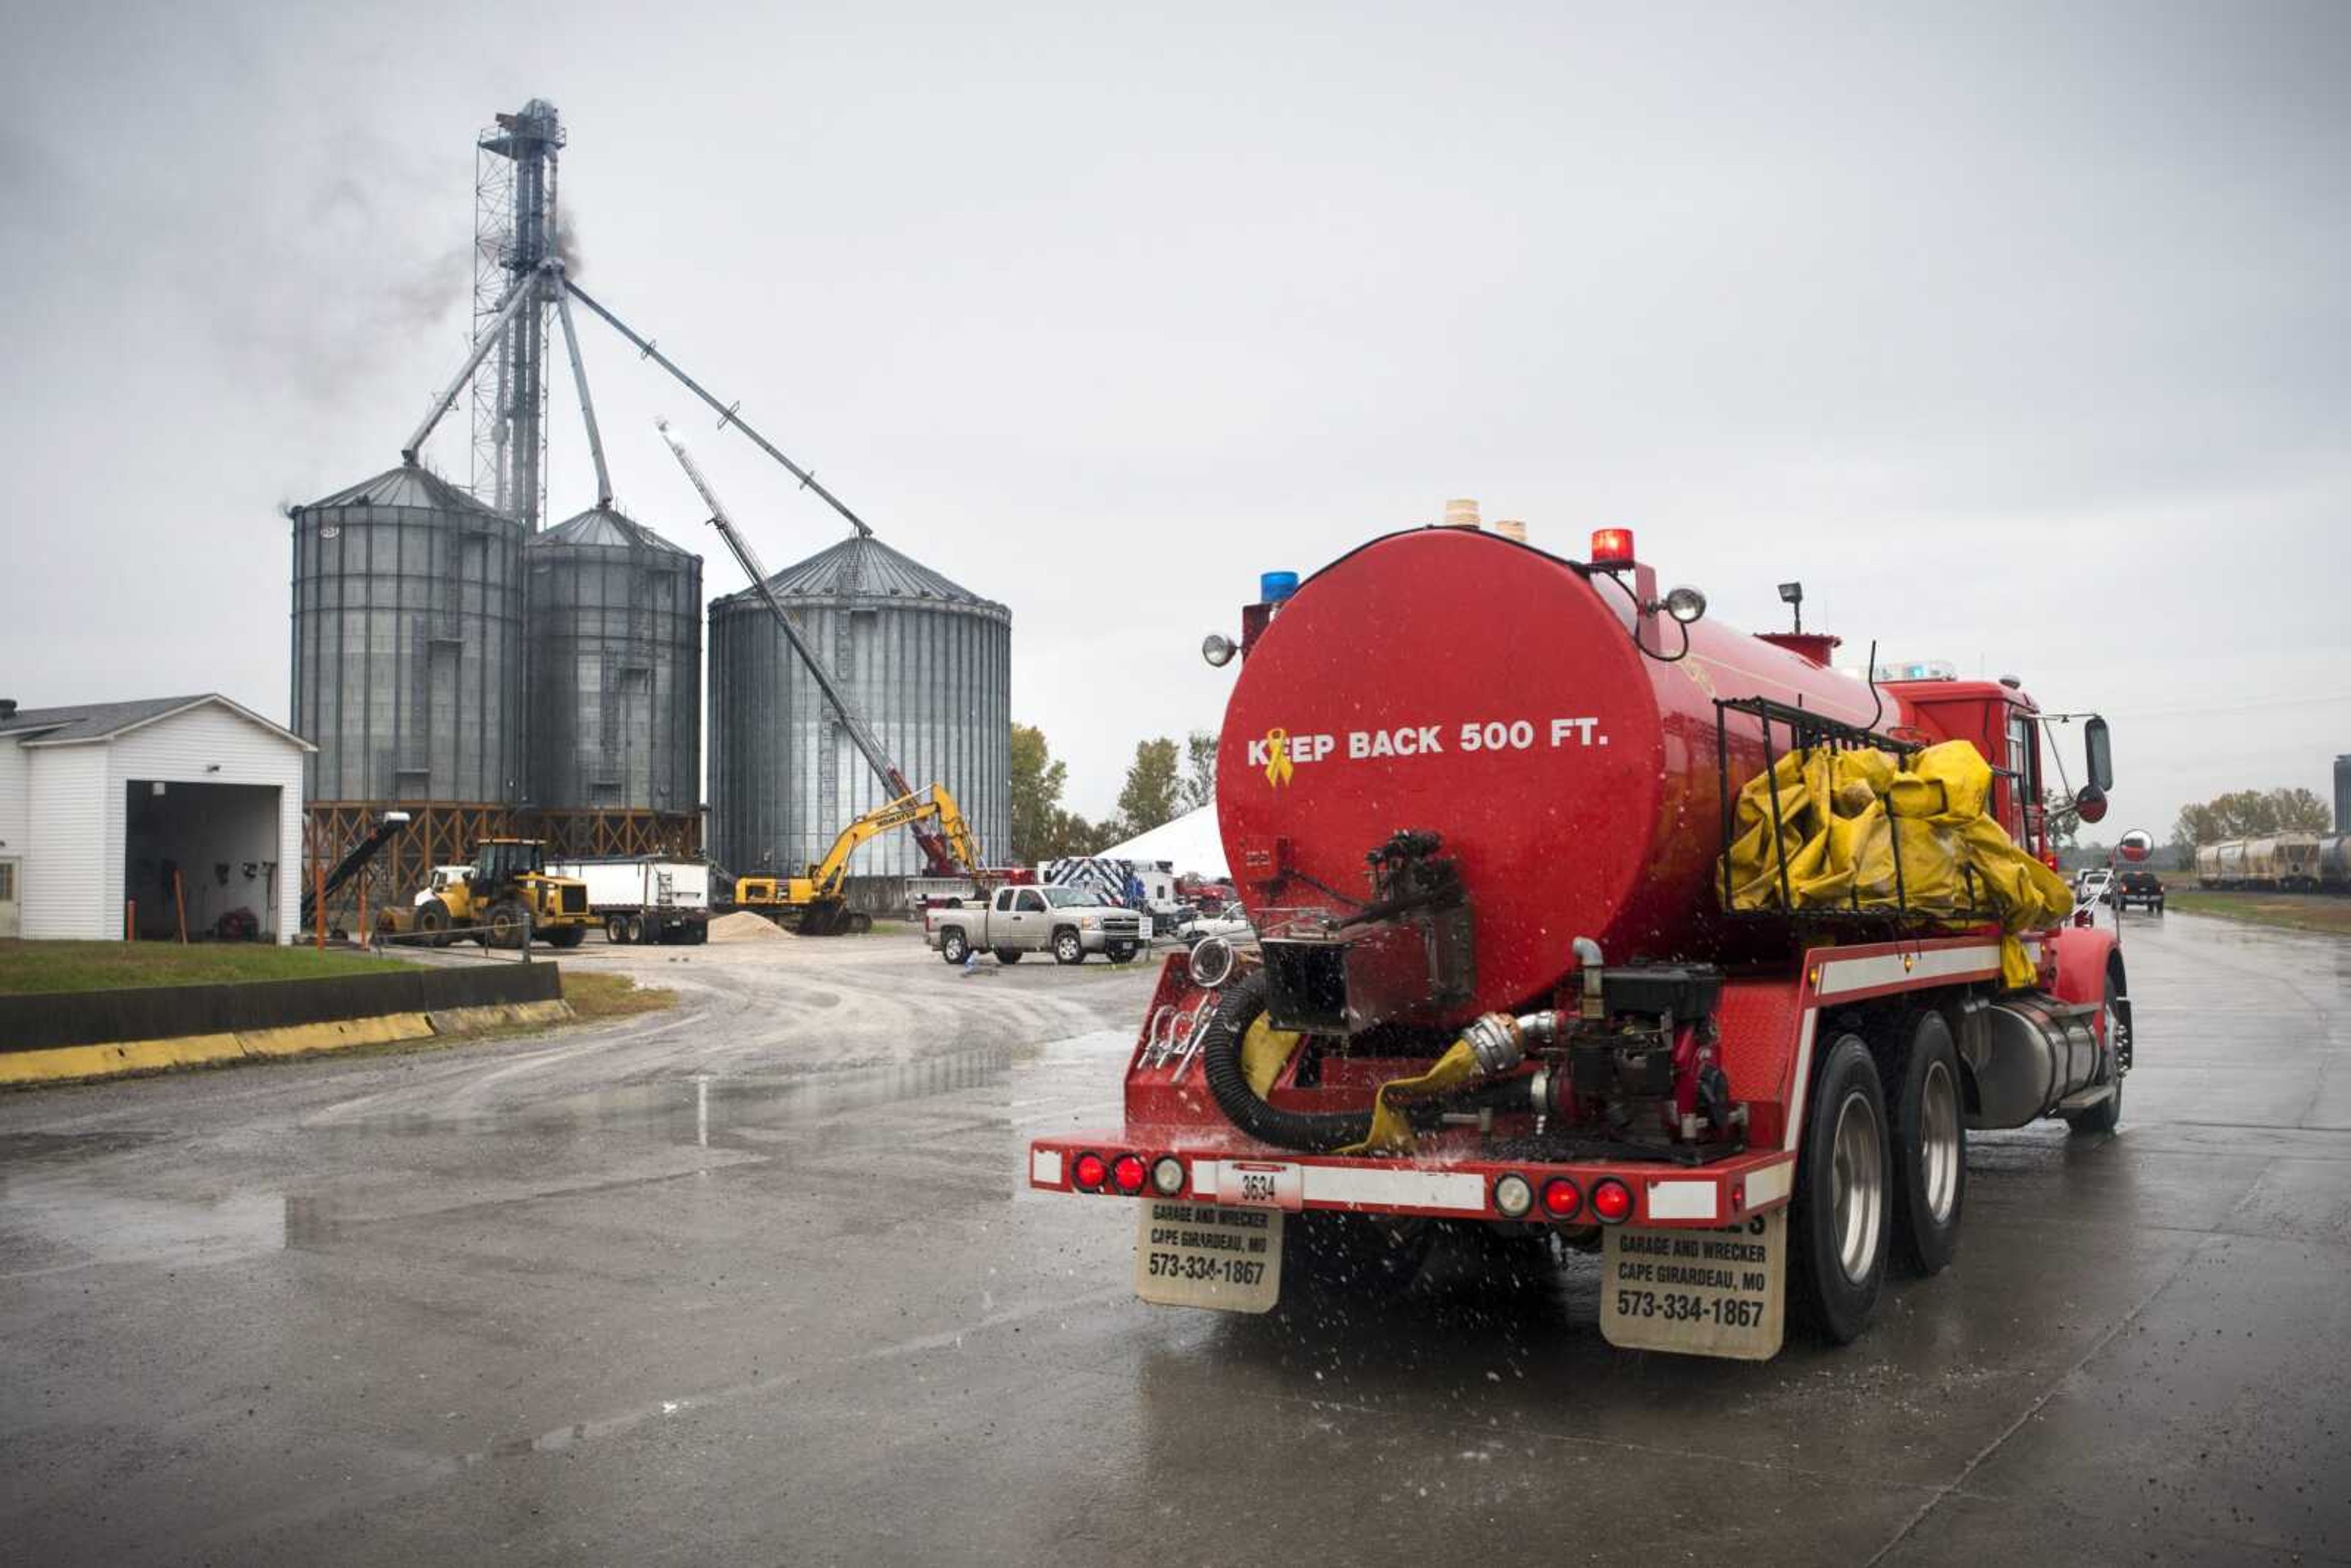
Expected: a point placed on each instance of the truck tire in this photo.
(2106, 1115)
(860, 922)
(506, 922)
(1068, 947)
(1930, 1145)
(1007, 955)
(433, 922)
(954, 946)
(636, 929)
(616, 929)
(567, 937)
(1839, 1220)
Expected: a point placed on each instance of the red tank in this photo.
(1455, 681)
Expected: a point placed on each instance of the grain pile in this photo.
(744, 926)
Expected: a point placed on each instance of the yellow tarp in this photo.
(1838, 815)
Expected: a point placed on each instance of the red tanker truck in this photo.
(1479, 803)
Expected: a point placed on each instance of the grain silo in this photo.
(615, 669)
(928, 663)
(408, 644)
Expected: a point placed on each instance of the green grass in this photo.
(595, 994)
(2294, 911)
(48, 966)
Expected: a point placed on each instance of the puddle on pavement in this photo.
(59, 1222)
(704, 1107)
(54, 1212)
(16, 1148)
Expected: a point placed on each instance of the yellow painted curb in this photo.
(499, 1015)
(122, 1060)
(302, 1040)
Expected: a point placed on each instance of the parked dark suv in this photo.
(2140, 887)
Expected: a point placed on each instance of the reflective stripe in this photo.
(1802, 1089)
(1682, 1200)
(1841, 975)
(1396, 1189)
(1770, 1184)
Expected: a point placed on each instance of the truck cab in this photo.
(443, 878)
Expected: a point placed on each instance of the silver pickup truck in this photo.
(1066, 922)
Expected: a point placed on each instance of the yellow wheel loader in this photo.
(503, 893)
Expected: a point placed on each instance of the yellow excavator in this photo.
(813, 905)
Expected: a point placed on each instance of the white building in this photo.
(101, 805)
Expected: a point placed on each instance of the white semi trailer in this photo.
(642, 899)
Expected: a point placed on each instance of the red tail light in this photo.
(1612, 1201)
(1090, 1170)
(1128, 1171)
(1560, 1199)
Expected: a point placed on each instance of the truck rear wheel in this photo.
(954, 946)
(1931, 1146)
(567, 935)
(1837, 1223)
(433, 922)
(616, 929)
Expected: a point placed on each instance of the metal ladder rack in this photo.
(1808, 731)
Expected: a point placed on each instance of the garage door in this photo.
(8, 899)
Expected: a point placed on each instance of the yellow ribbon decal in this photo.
(1278, 766)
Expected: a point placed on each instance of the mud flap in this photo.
(1225, 1259)
(1697, 1292)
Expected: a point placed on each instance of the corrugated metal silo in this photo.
(615, 663)
(928, 662)
(407, 644)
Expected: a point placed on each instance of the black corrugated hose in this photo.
(1308, 1131)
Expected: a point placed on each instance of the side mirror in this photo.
(2135, 845)
(2090, 805)
(2101, 755)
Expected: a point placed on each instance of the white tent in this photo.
(1189, 843)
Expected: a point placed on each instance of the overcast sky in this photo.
(2019, 333)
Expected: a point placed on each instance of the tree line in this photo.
(2251, 814)
(1164, 781)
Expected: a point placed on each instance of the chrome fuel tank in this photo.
(2026, 1053)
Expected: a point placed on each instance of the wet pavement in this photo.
(756, 1280)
